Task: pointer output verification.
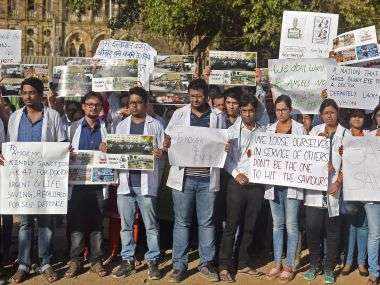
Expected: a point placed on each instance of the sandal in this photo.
(250, 271)
(286, 275)
(372, 281)
(50, 274)
(273, 273)
(225, 276)
(20, 276)
(363, 271)
(347, 269)
(75, 267)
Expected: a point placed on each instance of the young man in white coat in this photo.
(139, 188)
(194, 188)
(35, 123)
(87, 203)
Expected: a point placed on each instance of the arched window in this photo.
(29, 48)
(47, 49)
(72, 50)
(82, 50)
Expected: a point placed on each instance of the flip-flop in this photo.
(225, 276)
(251, 272)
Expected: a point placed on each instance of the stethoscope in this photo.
(249, 139)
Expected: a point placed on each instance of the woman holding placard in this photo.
(284, 201)
(322, 208)
(356, 225)
(372, 210)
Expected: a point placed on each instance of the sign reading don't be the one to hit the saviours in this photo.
(289, 160)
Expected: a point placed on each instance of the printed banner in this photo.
(289, 160)
(130, 152)
(12, 75)
(361, 168)
(115, 75)
(83, 172)
(73, 80)
(10, 46)
(197, 147)
(356, 46)
(303, 80)
(354, 87)
(232, 67)
(118, 49)
(34, 179)
(307, 34)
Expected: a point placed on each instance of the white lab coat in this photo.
(53, 129)
(292, 193)
(181, 117)
(314, 198)
(150, 180)
(75, 130)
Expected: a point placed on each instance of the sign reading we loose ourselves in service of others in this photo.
(289, 160)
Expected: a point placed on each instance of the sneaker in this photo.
(209, 272)
(99, 269)
(311, 274)
(177, 276)
(153, 271)
(126, 268)
(329, 278)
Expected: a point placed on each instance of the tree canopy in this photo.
(229, 24)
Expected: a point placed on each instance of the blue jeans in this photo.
(373, 216)
(45, 234)
(195, 191)
(356, 233)
(284, 213)
(126, 204)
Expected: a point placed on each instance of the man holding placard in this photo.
(35, 123)
(87, 202)
(194, 186)
(139, 187)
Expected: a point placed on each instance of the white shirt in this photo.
(239, 137)
(2, 133)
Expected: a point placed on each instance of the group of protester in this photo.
(225, 203)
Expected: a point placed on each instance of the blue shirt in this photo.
(28, 131)
(90, 139)
(135, 175)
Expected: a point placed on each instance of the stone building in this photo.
(49, 28)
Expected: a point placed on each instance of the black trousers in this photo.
(243, 207)
(318, 226)
(85, 216)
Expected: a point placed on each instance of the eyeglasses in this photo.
(282, 110)
(91, 105)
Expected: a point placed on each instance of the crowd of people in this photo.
(226, 205)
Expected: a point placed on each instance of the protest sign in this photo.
(307, 34)
(163, 98)
(129, 152)
(13, 74)
(354, 87)
(197, 147)
(289, 160)
(356, 46)
(118, 49)
(82, 169)
(303, 80)
(172, 74)
(34, 179)
(10, 46)
(115, 75)
(73, 80)
(361, 168)
(232, 67)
